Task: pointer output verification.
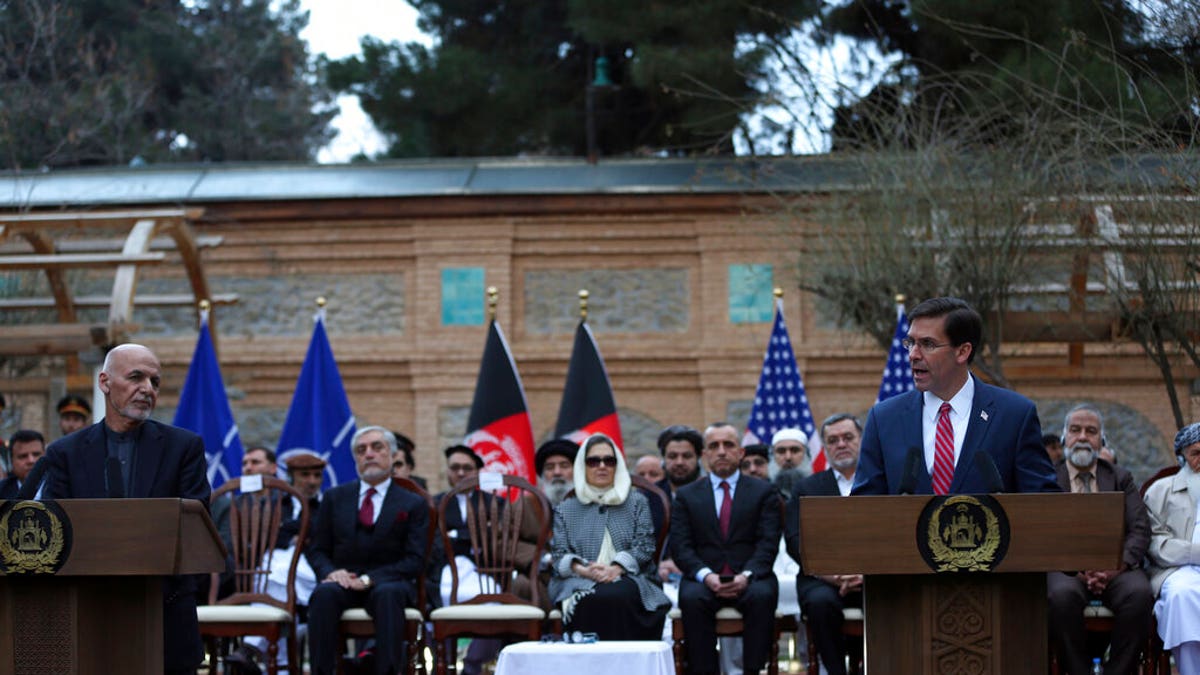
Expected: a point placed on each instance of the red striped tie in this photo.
(943, 452)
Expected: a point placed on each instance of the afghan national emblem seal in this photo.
(963, 533)
(35, 537)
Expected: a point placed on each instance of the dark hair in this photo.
(839, 417)
(1047, 439)
(963, 323)
(267, 452)
(760, 449)
(680, 432)
(408, 456)
(464, 449)
(404, 442)
(25, 436)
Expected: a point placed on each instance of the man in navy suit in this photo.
(822, 598)
(367, 549)
(950, 418)
(130, 455)
(724, 537)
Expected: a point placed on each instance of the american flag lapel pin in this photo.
(983, 415)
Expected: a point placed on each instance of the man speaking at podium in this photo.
(130, 455)
(939, 438)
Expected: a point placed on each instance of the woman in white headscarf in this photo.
(603, 549)
(1174, 506)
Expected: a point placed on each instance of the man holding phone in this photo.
(724, 537)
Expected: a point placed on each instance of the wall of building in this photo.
(661, 306)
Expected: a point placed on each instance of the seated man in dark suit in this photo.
(25, 447)
(822, 598)
(367, 549)
(1125, 590)
(724, 537)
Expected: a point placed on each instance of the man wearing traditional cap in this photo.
(74, 413)
(555, 462)
(790, 447)
(305, 472)
(756, 461)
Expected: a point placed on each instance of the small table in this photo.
(596, 658)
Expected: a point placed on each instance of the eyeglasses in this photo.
(608, 460)
(461, 468)
(926, 344)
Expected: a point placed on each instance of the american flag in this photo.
(780, 401)
(897, 373)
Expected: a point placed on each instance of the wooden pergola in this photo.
(151, 233)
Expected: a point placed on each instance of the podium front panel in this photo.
(1050, 531)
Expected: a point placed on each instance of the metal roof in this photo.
(189, 184)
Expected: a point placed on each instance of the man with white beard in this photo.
(1125, 590)
(555, 464)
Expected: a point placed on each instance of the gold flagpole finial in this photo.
(493, 297)
(205, 305)
(778, 293)
(899, 298)
(583, 303)
(321, 301)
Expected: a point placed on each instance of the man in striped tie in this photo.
(926, 441)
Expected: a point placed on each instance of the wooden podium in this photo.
(922, 621)
(101, 612)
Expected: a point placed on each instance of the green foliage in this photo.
(87, 82)
(512, 77)
(1079, 58)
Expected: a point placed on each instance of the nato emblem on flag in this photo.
(897, 372)
(319, 418)
(204, 409)
(780, 401)
(498, 428)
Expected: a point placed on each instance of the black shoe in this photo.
(243, 661)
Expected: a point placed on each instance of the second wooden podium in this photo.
(923, 616)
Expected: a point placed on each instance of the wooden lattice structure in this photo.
(150, 235)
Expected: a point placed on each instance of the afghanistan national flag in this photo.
(780, 401)
(204, 409)
(587, 403)
(499, 429)
(897, 372)
(319, 418)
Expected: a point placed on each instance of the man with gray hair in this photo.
(367, 549)
(1125, 590)
(127, 454)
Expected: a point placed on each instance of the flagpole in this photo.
(493, 297)
(583, 304)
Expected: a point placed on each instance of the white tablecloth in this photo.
(597, 658)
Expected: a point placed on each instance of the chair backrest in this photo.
(656, 492)
(494, 524)
(254, 522)
(1162, 473)
(430, 533)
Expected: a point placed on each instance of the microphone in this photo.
(116, 484)
(987, 468)
(908, 480)
(29, 487)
